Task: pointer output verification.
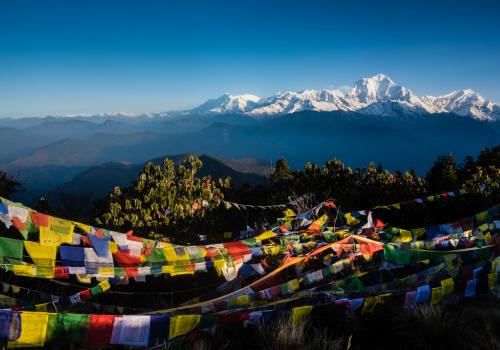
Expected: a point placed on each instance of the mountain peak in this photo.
(227, 103)
(380, 77)
(378, 88)
(377, 94)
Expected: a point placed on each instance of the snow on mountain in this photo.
(228, 104)
(464, 103)
(377, 95)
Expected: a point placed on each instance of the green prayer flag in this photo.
(396, 255)
(11, 248)
(95, 290)
(157, 256)
(356, 284)
(70, 328)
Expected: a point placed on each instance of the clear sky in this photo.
(68, 57)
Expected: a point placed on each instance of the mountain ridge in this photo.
(367, 95)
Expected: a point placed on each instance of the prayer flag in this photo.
(33, 330)
(300, 314)
(437, 293)
(11, 249)
(448, 285)
(183, 324)
(131, 330)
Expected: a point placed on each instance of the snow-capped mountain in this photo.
(228, 104)
(377, 95)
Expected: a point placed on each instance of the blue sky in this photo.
(66, 57)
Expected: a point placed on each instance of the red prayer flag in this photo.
(126, 260)
(99, 331)
(39, 219)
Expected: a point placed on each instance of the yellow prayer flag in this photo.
(289, 213)
(174, 253)
(33, 330)
(436, 295)
(24, 270)
(181, 325)
(294, 284)
(218, 264)
(369, 304)
(275, 250)
(82, 278)
(404, 236)
(105, 285)
(397, 205)
(351, 220)
(167, 269)
(448, 285)
(106, 272)
(483, 227)
(265, 235)
(492, 278)
(83, 227)
(113, 247)
(175, 272)
(342, 232)
(59, 231)
(420, 245)
(41, 255)
(242, 300)
(317, 224)
(300, 314)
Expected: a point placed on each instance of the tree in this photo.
(282, 172)
(7, 184)
(484, 180)
(443, 175)
(167, 201)
(489, 157)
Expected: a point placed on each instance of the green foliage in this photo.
(167, 201)
(443, 175)
(352, 188)
(484, 170)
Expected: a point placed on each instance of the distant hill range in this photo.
(86, 185)
(375, 120)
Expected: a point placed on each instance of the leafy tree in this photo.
(489, 157)
(7, 184)
(485, 179)
(167, 201)
(282, 171)
(443, 175)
